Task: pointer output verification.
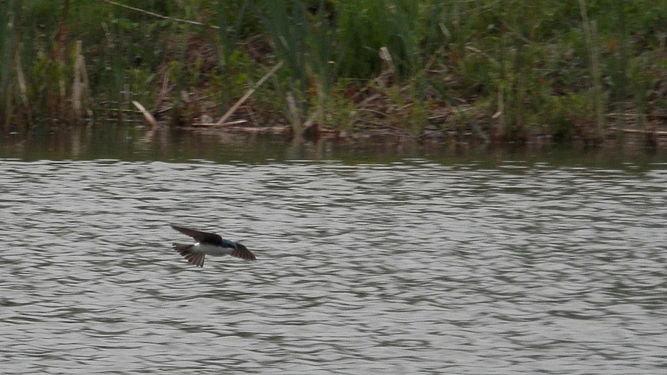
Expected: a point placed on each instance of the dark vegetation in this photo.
(508, 70)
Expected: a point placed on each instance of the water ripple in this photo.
(405, 267)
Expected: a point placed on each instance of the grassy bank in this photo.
(492, 70)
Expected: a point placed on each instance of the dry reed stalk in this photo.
(389, 69)
(147, 115)
(20, 78)
(500, 114)
(248, 94)
(294, 117)
(80, 82)
(590, 33)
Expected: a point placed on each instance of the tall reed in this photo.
(9, 12)
(591, 34)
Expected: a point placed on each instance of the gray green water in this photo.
(399, 259)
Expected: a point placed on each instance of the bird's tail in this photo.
(182, 248)
(186, 252)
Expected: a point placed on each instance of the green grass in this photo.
(500, 70)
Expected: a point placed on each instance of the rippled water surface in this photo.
(406, 266)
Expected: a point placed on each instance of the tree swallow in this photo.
(211, 244)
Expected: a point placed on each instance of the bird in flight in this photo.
(211, 244)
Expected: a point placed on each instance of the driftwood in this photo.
(281, 129)
(639, 131)
(215, 124)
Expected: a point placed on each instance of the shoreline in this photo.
(573, 71)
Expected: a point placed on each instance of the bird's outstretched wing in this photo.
(243, 253)
(202, 237)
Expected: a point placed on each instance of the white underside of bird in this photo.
(211, 249)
